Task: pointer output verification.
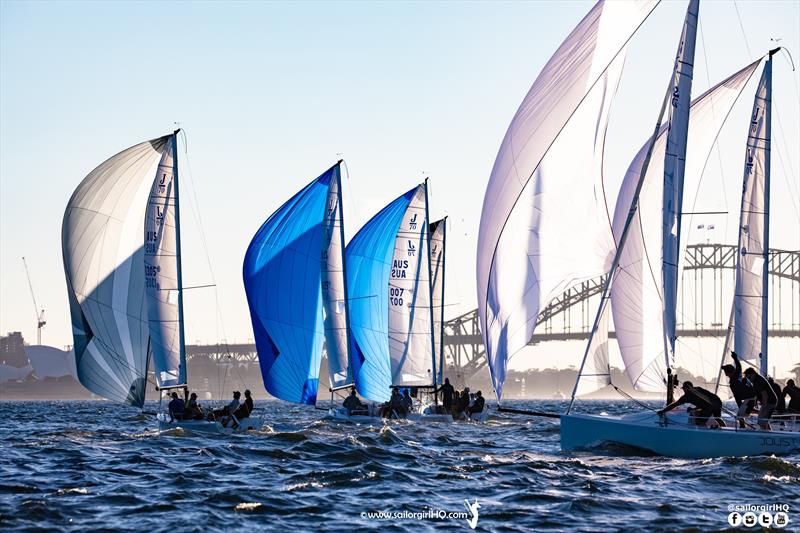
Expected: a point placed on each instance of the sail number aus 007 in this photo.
(396, 295)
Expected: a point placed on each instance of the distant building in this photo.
(12, 350)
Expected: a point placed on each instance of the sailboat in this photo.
(295, 277)
(396, 267)
(556, 140)
(121, 249)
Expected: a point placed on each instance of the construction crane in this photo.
(40, 321)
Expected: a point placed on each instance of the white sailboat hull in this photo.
(208, 427)
(675, 439)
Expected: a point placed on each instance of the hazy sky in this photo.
(270, 93)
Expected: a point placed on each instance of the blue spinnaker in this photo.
(369, 263)
(282, 280)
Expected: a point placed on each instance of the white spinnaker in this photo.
(674, 166)
(333, 287)
(438, 234)
(544, 223)
(636, 290)
(161, 264)
(104, 265)
(410, 340)
(596, 372)
(750, 298)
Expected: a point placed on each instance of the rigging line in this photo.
(603, 159)
(741, 26)
(788, 163)
(715, 146)
(198, 219)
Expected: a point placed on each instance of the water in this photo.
(79, 466)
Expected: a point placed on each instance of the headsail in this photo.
(369, 257)
(162, 273)
(550, 159)
(282, 278)
(636, 293)
(750, 298)
(103, 255)
(438, 233)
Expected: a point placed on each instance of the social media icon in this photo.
(749, 519)
(765, 519)
(780, 519)
(734, 519)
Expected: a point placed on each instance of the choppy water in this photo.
(79, 466)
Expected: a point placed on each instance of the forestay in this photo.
(545, 187)
(104, 265)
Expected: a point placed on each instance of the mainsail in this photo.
(103, 255)
(750, 298)
(284, 268)
(410, 316)
(162, 273)
(545, 187)
(636, 291)
(438, 238)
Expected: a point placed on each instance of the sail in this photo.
(410, 327)
(596, 371)
(674, 167)
(161, 270)
(334, 300)
(369, 256)
(545, 188)
(636, 291)
(438, 234)
(282, 279)
(750, 298)
(103, 252)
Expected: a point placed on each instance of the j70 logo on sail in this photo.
(412, 224)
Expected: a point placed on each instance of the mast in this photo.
(430, 284)
(764, 363)
(441, 312)
(181, 334)
(344, 272)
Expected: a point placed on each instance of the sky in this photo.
(271, 94)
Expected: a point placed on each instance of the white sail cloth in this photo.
(334, 300)
(104, 266)
(750, 298)
(438, 232)
(410, 326)
(636, 290)
(542, 191)
(161, 263)
(674, 167)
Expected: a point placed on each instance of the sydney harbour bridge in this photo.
(703, 312)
